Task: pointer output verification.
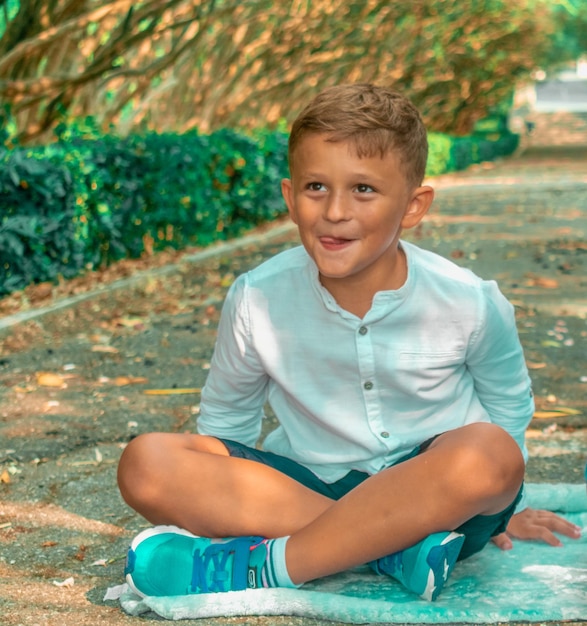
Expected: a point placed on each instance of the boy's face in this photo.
(350, 212)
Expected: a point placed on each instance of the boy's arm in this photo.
(503, 385)
(496, 361)
(236, 388)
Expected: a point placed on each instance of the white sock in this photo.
(274, 573)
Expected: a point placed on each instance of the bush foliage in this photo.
(88, 199)
(450, 154)
(81, 203)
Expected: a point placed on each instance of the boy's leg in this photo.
(473, 470)
(190, 481)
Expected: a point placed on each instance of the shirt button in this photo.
(368, 385)
(385, 434)
(363, 330)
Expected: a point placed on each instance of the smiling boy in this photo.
(397, 378)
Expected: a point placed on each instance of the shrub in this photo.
(450, 154)
(89, 198)
(39, 239)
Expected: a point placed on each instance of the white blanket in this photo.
(531, 583)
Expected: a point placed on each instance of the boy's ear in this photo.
(418, 206)
(287, 193)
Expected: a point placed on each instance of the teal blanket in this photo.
(531, 583)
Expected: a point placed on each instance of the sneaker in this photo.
(425, 567)
(170, 561)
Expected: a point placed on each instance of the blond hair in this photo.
(375, 120)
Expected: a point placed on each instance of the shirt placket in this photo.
(371, 394)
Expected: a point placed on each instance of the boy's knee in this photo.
(137, 468)
(504, 457)
(491, 455)
(151, 462)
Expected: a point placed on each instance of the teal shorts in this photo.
(478, 530)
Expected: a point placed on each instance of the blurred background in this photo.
(183, 64)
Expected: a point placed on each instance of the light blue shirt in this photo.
(440, 352)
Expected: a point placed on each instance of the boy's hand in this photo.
(536, 524)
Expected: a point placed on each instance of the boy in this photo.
(398, 380)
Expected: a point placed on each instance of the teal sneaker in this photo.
(170, 561)
(425, 567)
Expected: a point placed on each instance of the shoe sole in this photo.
(145, 534)
(441, 560)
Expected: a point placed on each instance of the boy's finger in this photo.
(558, 524)
(502, 541)
(538, 531)
(548, 537)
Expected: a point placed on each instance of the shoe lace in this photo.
(392, 564)
(222, 566)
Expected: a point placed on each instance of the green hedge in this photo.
(90, 199)
(451, 154)
(80, 203)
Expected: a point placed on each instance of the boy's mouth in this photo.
(334, 243)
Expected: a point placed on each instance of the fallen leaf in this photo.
(568, 410)
(121, 381)
(100, 338)
(535, 366)
(108, 349)
(48, 544)
(49, 379)
(171, 392)
(547, 414)
(40, 291)
(187, 361)
(130, 322)
(81, 554)
(556, 412)
(26, 389)
(5, 477)
(542, 281)
(114, 593)
(68, 582)
(227, 280)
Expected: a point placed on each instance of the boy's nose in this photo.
(337, 208)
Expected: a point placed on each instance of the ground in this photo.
(88, 364)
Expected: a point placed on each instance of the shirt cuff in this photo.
(523, 503)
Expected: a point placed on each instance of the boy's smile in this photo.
(350, 212)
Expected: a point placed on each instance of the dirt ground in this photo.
(124, 357)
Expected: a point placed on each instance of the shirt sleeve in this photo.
(496, 362)
(235, 392)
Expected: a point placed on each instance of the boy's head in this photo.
(374, 120)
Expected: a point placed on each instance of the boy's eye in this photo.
(361, 188)
(316, 187)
